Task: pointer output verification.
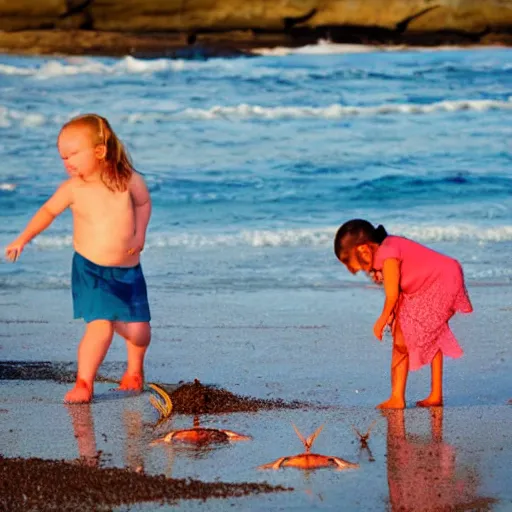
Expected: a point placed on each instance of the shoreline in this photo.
(241, 43)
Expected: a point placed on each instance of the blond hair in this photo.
(119, 168)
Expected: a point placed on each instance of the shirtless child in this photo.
(111, 208)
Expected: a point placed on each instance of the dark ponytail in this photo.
(379, 234)
(357, 232)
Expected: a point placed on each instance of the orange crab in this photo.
(201, 435)
(196, 435)
(308, 460)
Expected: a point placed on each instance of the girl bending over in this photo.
(423, 289)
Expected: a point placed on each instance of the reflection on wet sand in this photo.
(423, 473)
(133, 427)
(83, 428)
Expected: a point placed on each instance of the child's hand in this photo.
(13, 250)
(137, 247)
(379, 327)
(376, 276)
(134, 250)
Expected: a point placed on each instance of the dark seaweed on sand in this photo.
(196, 398)
(41, 370)
(42, 485)
(188, 398)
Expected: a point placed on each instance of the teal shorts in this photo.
(108, 293)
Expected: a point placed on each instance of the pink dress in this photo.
(432, 290)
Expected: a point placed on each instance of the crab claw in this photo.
(308, 443)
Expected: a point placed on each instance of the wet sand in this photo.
(454, 458)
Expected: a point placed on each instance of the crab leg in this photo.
(344, 464)
(273, 465)
(236, 436)
(300, 436)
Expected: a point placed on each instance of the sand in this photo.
(313, 348)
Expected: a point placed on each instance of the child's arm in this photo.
(60, 200)
(391, 274)
(142, 206)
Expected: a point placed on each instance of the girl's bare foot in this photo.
(133, 382)
(430, 401)
(392, 403)
(80, 394)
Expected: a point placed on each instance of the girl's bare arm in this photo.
(391, 275)
(59, 201)
(142, 205)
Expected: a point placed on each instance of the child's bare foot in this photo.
(80, 394)
(430, 401)
(133, 382)
(392, 403)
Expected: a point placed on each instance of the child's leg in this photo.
(399, 372)
(138, 337)
(91, 351)
(436, 392)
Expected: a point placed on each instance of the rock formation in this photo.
(166, 26)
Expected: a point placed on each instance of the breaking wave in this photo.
(9, 117)
(322, 236)
(338, 111)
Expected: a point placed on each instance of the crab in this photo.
(363, 440)
(308, 460)
(196, 435)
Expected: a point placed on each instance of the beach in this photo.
(252, 164)
(293, 350)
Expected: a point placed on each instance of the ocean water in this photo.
(253, 163)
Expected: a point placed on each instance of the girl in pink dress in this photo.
(423, 289)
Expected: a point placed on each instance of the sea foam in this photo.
(245, 111)
(312, 237)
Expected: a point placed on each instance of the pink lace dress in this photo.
(432, 290)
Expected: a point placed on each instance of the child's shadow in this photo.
(422, 471)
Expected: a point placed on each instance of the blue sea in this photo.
(252, 164)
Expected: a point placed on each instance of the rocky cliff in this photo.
(166, 26)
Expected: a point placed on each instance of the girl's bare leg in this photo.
(399, 372)
(436, 393)
(92, 350)
(137, 336)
